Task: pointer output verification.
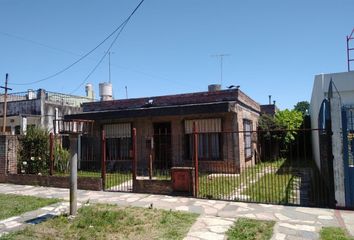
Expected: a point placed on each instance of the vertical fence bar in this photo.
(150, 161)
(51, 153)
(134, 163)
(103, 159)
(195, 156)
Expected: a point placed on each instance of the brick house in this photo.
(164, 126)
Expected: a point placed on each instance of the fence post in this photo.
(103, 159)
(51, 153)
(134, 156)
(195, 157)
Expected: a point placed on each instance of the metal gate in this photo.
(116, 150)
(348, 153)
(107, 157)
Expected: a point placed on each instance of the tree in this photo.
(289, 120)
(303, 107)
(267, 122)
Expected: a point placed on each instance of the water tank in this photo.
(31, 94)
(214, 87)
(89, 91)
(106, 91)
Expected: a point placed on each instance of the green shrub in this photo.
(61, 158)
(34, 151)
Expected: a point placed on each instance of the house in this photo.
(332, 107)
(270, 109)
(164, 127)
(38, 108)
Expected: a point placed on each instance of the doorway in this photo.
(163, 145)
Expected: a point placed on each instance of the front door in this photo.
(163, 148)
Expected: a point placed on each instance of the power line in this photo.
(109, 49)
(100, 61)
(150, 75)
(38, 43)
(88, 53)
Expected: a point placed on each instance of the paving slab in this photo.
(215, 216)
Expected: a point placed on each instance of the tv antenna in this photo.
(349, 49)
(221, 57)
(109, 65)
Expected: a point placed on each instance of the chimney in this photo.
(214, 87)
(270, 99)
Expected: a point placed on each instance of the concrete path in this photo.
(33, 217)
(216, 216)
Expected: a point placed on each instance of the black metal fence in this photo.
(275, 166)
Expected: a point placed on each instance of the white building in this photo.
(341, 98)
(38, 108)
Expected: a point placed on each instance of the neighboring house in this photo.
(37, 108)
(269, 109)
(332, 105)
(164, 126)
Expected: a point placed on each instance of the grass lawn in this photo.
(115, 179)
(112, 222)
(272, 188)
(334, 233)
(221, 187)
(13, 205)
(249, 229)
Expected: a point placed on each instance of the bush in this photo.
(61, 158)
(34, 151)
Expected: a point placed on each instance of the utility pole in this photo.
(109, 65)
(221, 56)
(5, 103)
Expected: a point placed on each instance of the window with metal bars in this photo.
(247, 128)
(118, 141)
(209, 139)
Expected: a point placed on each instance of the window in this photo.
(247, 128)
(209, 139)
(118, 141)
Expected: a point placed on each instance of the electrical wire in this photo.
(108, 50)
(100, 61)
(88, 53)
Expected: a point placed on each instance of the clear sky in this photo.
(276, 46)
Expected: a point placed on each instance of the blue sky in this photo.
(276, 46)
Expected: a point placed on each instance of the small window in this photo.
(17, 129)
(247, 128)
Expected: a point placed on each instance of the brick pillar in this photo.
(2, 154)
(8, 154)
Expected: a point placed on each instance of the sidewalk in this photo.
(216, 216)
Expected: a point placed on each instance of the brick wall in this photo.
(152, 186)
(242, 114)
(8, 154)
(3, 154)
(86, 183)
